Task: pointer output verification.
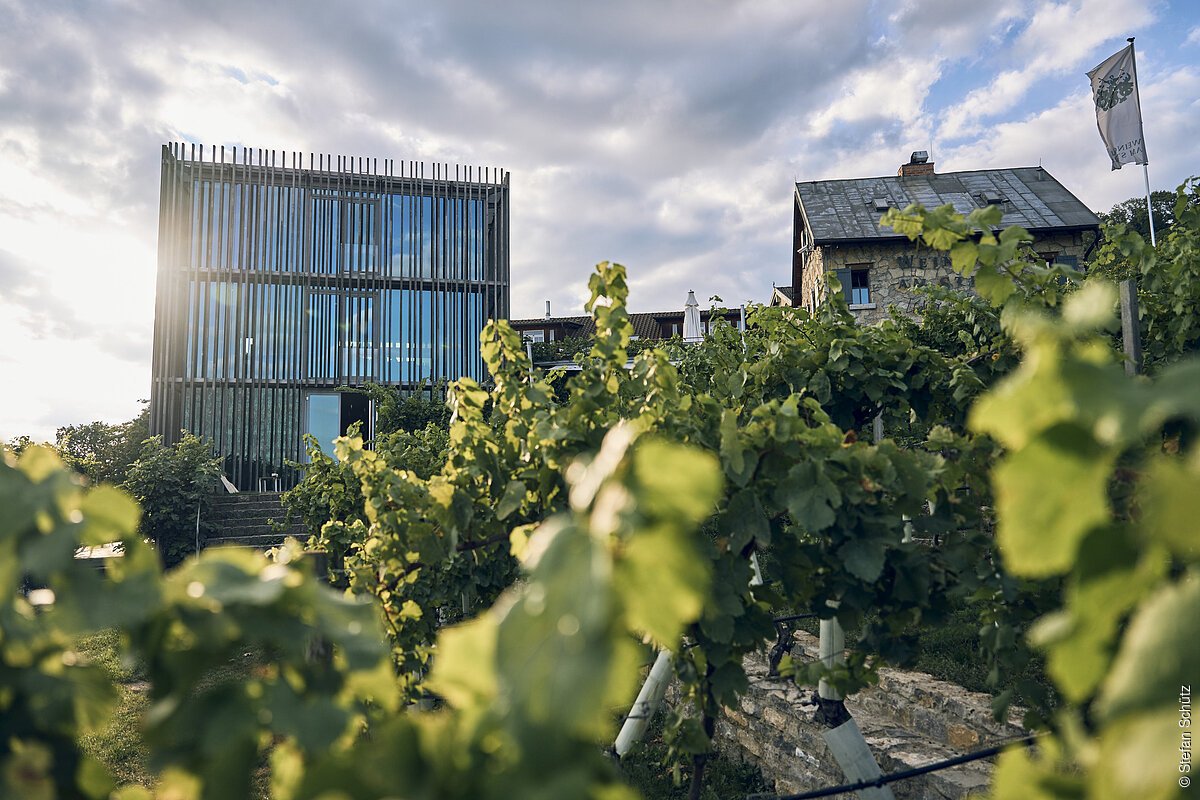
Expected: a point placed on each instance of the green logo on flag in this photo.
(1114, 89)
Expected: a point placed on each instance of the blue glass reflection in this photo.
(323, 419)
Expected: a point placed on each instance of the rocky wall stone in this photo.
(898, 267)
(909, 719)
(812, 281)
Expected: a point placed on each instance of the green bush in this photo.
(173, 484)
(412, 410)
(103, 452)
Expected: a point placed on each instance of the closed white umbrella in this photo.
(691, 319)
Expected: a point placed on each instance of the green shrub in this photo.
(173, 484)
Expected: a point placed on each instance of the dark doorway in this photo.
(356, 408)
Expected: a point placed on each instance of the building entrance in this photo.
(328, 415)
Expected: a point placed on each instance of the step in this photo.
(237, 522)
(249, 543)
(257, 528)
(245, 505)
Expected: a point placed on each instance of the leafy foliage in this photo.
(527, 686)
(206, 733)
(173, 485)
(1095, 465)
(1131, 583)
(409, 411)
(103, 452)
(630, 500)
(560, 350)
(826, 508)
(1168, 279)
(1133, 216)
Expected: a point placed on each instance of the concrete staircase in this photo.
(244, 519)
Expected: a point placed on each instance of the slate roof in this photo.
(786, 291)
(846, 210)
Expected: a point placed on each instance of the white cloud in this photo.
(51, 382)
(1064, 139)
(663, 135)
(1060, 37)
(960, 30)
(894, 90)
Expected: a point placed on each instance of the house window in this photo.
(856, 285)
(535, 336)
(860, 287)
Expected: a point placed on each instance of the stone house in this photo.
(836, 230)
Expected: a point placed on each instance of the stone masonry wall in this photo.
(909, 719)
(898, 267)
(812, 280)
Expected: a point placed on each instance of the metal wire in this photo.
(883, 780)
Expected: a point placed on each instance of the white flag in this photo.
(1118, 110)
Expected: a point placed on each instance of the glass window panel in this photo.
(357, 337)
(323, 258)
(475, 239)
(419, 348)
(412, 236)
(322, 336)
(393, 335)
(860, 287)
(323, 419)
(359, 235)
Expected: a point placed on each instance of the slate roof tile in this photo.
(844, 210)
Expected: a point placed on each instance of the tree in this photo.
(173, 485)
(408, 410)
(18, 444)
(1168, 278)
(1132, 212)
(101, 451)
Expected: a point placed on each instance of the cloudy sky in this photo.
(664, 135)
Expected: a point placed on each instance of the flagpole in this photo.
(1146, 166)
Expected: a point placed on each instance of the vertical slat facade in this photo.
(277, 280)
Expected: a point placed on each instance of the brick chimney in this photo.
(918, 164)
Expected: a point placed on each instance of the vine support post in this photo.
(832, 653)
(1131, 332)
(757, 578)
(854, 756)
(646, 704)
(831, 648)
(842, 736)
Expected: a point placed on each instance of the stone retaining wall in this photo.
(909, 719)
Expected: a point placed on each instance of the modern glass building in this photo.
(281, 281)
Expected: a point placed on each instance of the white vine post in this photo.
(647, 703)
(652, 691)
(846, 741)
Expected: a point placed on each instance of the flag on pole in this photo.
(1118, 110)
